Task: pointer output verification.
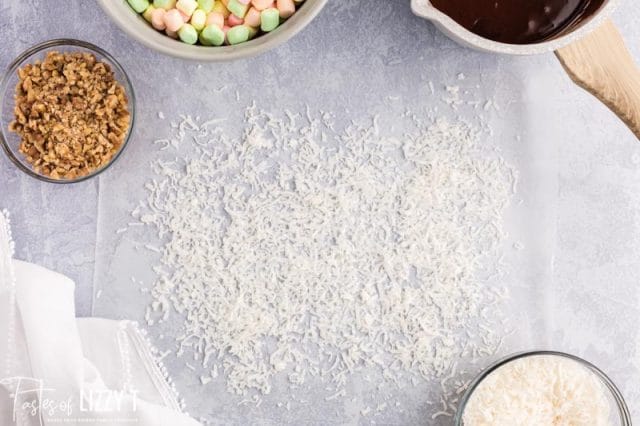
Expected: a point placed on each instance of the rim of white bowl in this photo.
(135, 26)
(457, 32)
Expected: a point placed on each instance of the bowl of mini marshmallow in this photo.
(212, 30)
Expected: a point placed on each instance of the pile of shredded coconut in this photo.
(304, 249)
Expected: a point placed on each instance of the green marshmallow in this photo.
(269, 19)
(188, 34)
(206, 5)
(237, 8)
(238, 34)
(203, 41)
(164, 4)
(139, 5)
(212, 35)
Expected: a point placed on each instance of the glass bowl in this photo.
(620, 414)
(10, 141)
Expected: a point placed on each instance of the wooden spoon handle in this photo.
(601, 64)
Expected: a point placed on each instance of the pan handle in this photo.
(601, 64)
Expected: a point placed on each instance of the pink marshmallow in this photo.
(233, 20)
(157, 19)
(252, 18)
(185, 17)
(215, 18)
(173, 20)
(286, 8)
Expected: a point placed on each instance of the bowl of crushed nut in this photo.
(67, 111)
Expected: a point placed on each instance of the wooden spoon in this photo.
(601, 64)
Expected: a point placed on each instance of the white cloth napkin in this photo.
(59, 369)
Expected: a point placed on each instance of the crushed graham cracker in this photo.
(71, 114)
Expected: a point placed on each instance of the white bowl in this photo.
(134, 25)
(457, 32)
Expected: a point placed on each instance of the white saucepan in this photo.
(593, 54)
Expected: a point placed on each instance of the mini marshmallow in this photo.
(173, 20)
(221, 8)
(199, 19)
(212, 35)
(286, 8)
(206, 5)
(237, 8)
(215, 22)
(185, 18)
(262, 4)
(233, 20)
(139, 5)
(215, 18)
(164, 4)
(187, 6)
(238, 34)
(269, 19)
(148, 12)
(157, 19)
(188, 34)
(252, 18)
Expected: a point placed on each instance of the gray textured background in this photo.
(575, 283)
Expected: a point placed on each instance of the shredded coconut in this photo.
(539, 390)
(304, 250)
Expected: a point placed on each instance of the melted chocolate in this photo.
(518, 21)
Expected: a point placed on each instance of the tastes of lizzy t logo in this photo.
(30, 398)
